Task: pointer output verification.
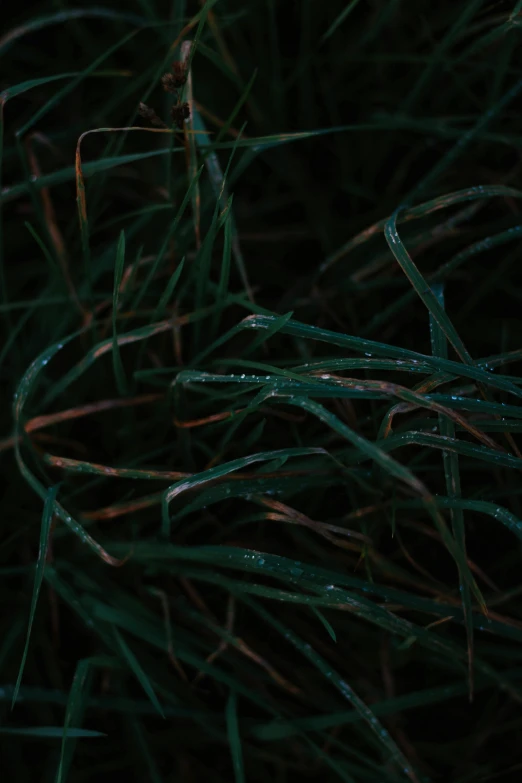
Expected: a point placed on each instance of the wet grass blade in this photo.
(337, 681)
(223, 470)
(423, 290)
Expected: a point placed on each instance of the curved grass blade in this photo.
(19, 89)
(503, 515)
(56, 99)
(421, 210)
(423, 290)
(24, 389)
(222, 470)
(99, 350)
(328, 590)
(70, 172)
(42, 22)
(456, 446)
(373, 348)
(341, 388)
(277, 323)
(443, 272)
(396, 470)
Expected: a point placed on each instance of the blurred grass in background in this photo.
(261, 483)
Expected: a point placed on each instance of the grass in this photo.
(261, 374)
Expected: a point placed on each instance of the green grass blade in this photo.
(52, 732)
(143, 290)
(61, 94)
(134, 665)
(234, 738)
(42, 22)
(117, 364)
(347, 692)
(437, 58)
(453, 488)
(223, 470)
(339, 19)
(423, 290)
(324, 621)
(76, 705)
(45, 531)
(237, 108)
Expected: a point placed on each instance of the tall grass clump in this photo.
(261, 367)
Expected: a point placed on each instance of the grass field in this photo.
(261, 373)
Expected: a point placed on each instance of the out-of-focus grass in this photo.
(261, 507)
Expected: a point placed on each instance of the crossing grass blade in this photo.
(453, 488)
(342, 686)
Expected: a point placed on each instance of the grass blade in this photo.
(45, 532)
(453, 488)
(76, 705)
(134, 665)
(119, 372)
(234, 738)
